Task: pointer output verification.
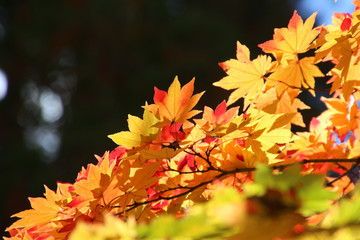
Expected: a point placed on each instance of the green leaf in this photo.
(314, 197)
(310, 195)
(347, 212)
(265, 179)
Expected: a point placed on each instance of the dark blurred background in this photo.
(76, 68)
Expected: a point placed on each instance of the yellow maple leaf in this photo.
(266, 132)
(244, 75)
(270, 103)
(295, 74)
(340, 44)
(142, 131)
(135, 185)
(196, 135)
(346, 80)
(112, 228)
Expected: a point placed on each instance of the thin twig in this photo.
(329, 184)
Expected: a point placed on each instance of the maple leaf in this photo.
(337, 34)
(234, 155)
(270, 103)
(164, 153)
(259, 138)
(318, 144)
(342, 186)
(142, 178)
(135, 185)
(294, 39)
(244, 75)
(142, 131)
(266, 132)
(221, 115)
(212, 120)
(100, 187)
(295, 74)
(346, 80)
(172, 132)
(343, 115)
(112, 228)
(340, 45)
(45, 210)
(196, 134)
(354, 150)
(176, 104)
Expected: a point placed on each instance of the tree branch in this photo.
(224, 173)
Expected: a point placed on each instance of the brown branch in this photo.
(190, 189)
(182, 172)
(224, 173)
(329, 184)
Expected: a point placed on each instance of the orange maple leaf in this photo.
(212, 119)
(342, 186)
(44, 210)
(343, 115)
(100, 186)
(294, 39)
(176, 104)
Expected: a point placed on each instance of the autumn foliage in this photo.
(182, 173)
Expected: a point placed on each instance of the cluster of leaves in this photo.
(228, 174)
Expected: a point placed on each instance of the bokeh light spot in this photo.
(3, 85)
(51, 106)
